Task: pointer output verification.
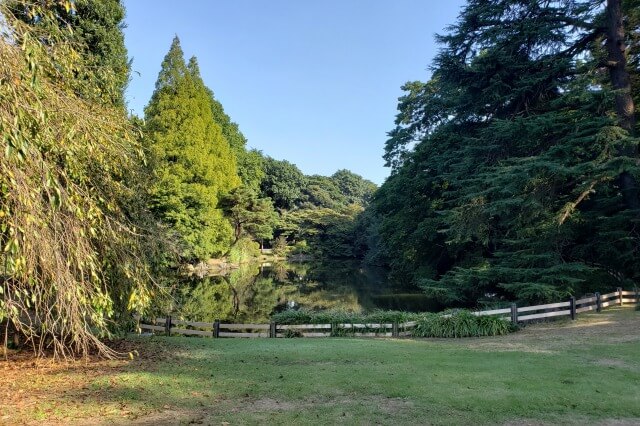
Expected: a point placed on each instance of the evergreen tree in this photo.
(522, 183)
(193, 162)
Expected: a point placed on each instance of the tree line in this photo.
(99, 209)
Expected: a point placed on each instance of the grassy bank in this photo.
(587, 371)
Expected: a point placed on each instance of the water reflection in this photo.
(253, 292)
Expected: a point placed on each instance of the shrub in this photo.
(461, 324)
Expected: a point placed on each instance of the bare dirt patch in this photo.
(54, 388)
(609, 362)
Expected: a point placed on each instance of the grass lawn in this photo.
(581, 372)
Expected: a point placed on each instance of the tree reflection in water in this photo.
(252, 293)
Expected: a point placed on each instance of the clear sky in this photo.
(312, 82)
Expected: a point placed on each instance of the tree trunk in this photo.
(621, 82)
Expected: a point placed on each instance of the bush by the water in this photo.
(459, 323)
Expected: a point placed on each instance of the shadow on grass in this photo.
(194, 380)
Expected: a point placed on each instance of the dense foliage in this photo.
(515, 167)
(303, 316)
(283, 183)
(94, 29)
(249, 215)
(461, 323)
(73, 257)
(193, 164)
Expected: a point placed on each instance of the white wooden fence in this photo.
(516, 314)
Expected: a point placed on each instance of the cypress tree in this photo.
(193, 163)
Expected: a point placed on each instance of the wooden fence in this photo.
(515, 314)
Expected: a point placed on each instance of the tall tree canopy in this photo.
(515, 167)
(193, 163)
(357, 189)
(95, 29)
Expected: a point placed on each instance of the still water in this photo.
(253, 292)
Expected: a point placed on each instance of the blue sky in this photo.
(315, 83)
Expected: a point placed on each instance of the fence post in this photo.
(514, 314)
(394, 330)
(572, 307)
(620, 295)
(272, 329)
(167, 325)
(598, 302)
(216, 329)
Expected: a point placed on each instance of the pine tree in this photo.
(519, 185)
(249, 215)
(193, 163)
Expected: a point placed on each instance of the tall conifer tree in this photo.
(522, 183)
(192, 161)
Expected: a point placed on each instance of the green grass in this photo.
(566, 372)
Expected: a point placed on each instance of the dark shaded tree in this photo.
(513, 168)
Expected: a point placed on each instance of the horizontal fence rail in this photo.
(571, 308)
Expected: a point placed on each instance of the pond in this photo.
(253, 292)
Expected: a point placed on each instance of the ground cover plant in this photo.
(564, 372)
(461, 323)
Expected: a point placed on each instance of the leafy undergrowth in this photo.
(461, 324)
(580, 372)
